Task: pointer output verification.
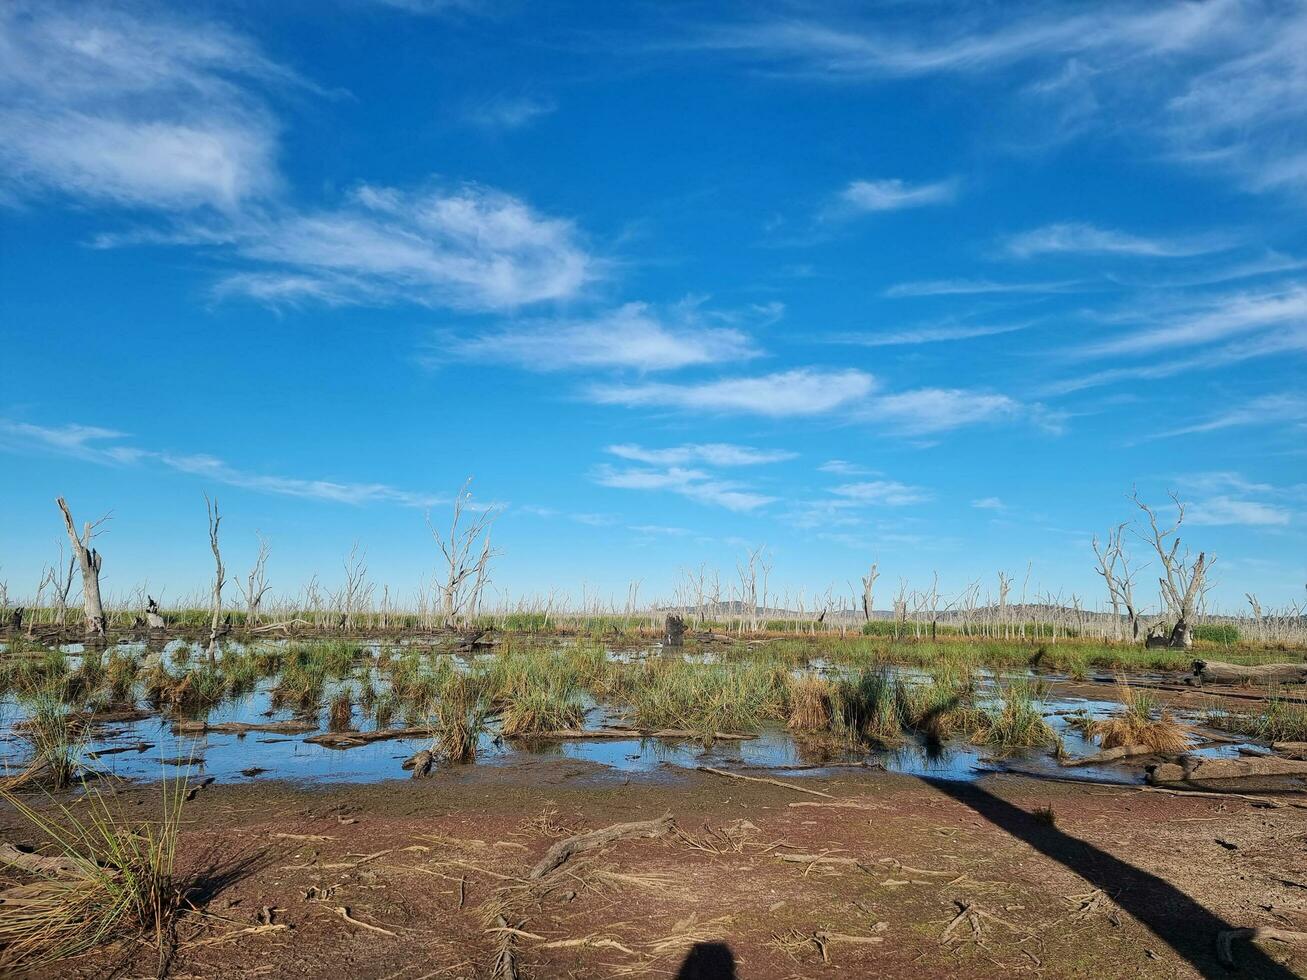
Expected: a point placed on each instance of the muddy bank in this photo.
(885, 875)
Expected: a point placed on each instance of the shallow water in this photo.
(231, 758)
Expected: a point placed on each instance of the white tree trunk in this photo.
(89, 560)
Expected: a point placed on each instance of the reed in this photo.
(117, 881)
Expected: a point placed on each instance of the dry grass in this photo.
(116, 880)
(341, 714)
(1143, 721)
(811, 704)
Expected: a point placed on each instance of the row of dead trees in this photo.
(466, 554)
(465, 550)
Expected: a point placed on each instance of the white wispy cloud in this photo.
(1219, 319)
(635, 335)
(925, 334)
(1289, 338)
(931, 410)
(466, 246)
(695, 484)
(799, 392)
(1272, 409)
(1086, 239)
(104, 447)
(989, 503)
(170, 113)
(152, 110)
(967, 43)
(719, 454)
(509, 111)
(1219, 85)
(976, 287)
(842, 467)
(659, 530)
(895, 195)
(888, 493)
(1235, 511)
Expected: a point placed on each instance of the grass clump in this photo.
(56, 737)
(704, 698)
(1142, 721)
(114, 879)
(459, 718)
(1014, 719)
(120, 675)
(341, 713)
(868, 707)
(811, 703)
(1280, 720)
(542, 710)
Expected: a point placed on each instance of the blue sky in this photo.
(928, 284)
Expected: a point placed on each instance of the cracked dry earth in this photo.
(885, 876)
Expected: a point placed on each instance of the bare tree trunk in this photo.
(868, 587)
(219, 575)
(90, 561)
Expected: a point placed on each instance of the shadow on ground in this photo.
(708, 961)
(1176, 919)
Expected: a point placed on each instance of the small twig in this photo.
(770, 782)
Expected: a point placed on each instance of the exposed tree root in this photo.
(564, 849)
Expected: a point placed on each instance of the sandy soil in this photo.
(1121, 883)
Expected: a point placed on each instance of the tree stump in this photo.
(674, 632)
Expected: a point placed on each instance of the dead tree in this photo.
(355, 596)
(61, 585)
(90, 561)
(749, 571)
(901, 609)
(1004, 587)
(465, 575)
(1184, 581)
(255, 586)
(1118, 576)
(868, 590)
(219, 575)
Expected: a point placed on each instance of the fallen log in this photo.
(118, 749)
(564, 849)
(352, 739)
(1292, 750)
(1192, 769)
(1219, 672)
(15, 857)
(285, 627)
(241, 728)
(581, 733)
(1110, 755)
(707, 636)
(420, 763)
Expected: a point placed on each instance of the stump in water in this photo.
(674, 632)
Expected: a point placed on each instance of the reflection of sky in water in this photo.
(227, 757)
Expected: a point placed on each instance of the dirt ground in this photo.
(407, 880)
